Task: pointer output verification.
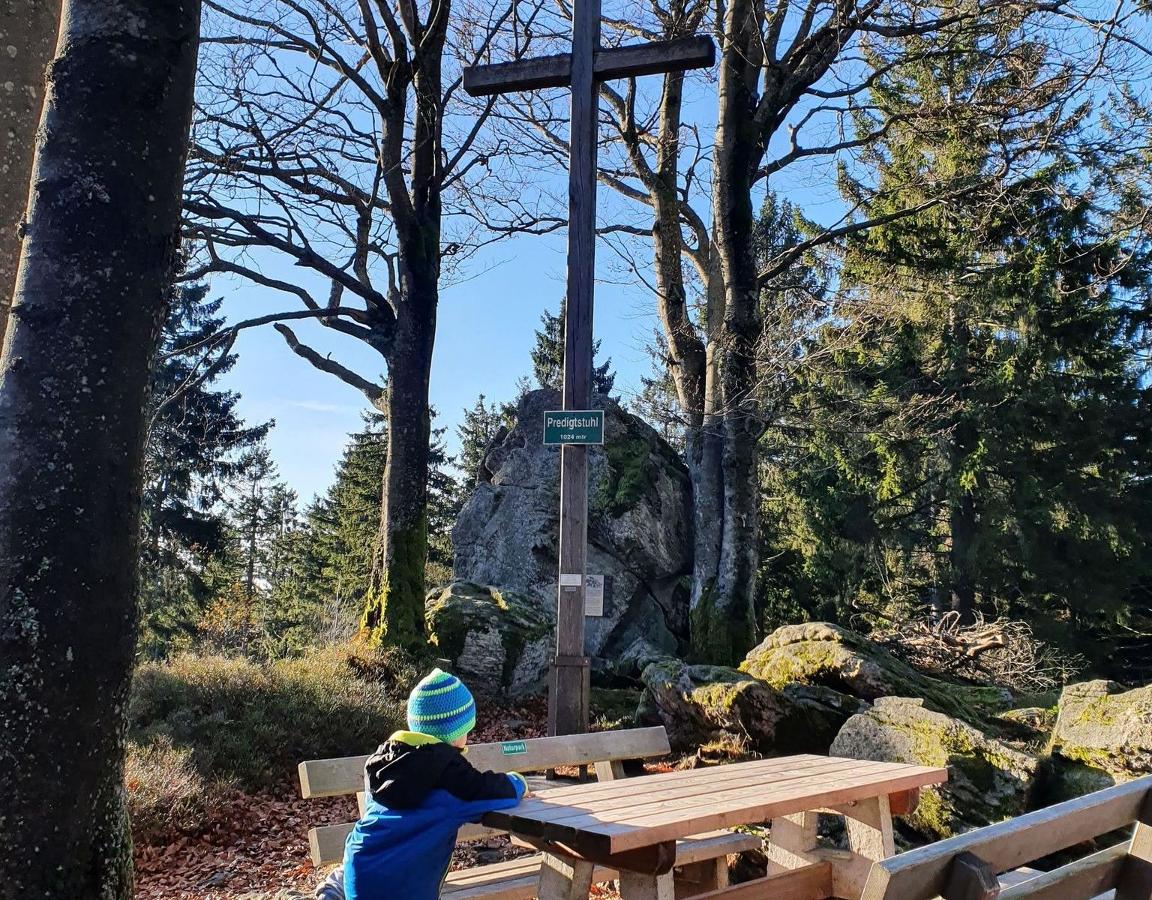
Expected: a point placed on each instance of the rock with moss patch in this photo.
(496, 640)
(989, 781)
(823, 654)
(1103, 735)
(1032, 723)
(701, 704)
(638, 531)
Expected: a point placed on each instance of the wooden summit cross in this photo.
(581, 70)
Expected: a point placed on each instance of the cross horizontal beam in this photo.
(677, 55)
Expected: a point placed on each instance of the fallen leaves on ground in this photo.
(257, 843)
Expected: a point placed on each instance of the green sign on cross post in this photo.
(585, 427)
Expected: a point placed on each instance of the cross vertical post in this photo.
(568, 696)
(582, 70)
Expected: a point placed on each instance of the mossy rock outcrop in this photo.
(701, 704)
(639, 531)
(818, 653)
(989, 781)
(1103, 735)
(497, 640)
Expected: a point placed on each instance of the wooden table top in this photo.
(614, 816)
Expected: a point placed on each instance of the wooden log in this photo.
(1135, 881)
(635, 886)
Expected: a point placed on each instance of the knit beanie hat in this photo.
(441, 706)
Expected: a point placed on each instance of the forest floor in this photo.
(255, 845)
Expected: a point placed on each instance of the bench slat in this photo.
(327, 843)
(812, 882)
(517, 879)
(923, 873)
(1087, 877)
(336, 777)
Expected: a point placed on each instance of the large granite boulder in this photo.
(638, 536)
(701, 704)
(989, 780)
(818, 653)
(500, 641)
(1102, 736)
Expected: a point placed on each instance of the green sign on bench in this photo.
(511, 748)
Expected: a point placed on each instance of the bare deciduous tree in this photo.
(332, 135)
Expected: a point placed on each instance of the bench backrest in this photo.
(965, 867)
(604, 749)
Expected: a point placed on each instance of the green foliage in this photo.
(657, 402)
(332, 559)
(444, 502)
(195, 438)
(252, 723)
(970, 426)
(548, 356)
(475, 432)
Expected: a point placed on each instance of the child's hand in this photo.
(527, 795)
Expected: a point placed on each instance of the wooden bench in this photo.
(968, 867)
(701, 861)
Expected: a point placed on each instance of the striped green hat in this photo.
(442, 707)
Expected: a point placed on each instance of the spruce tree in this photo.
(548, 356)
(195, 435)
(969, 431)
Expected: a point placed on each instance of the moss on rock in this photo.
(636, 457)
(822, 654)
(1103, 735)
(989, 780)
(702, 704)
(499, 639)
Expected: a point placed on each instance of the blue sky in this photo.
(484, 335)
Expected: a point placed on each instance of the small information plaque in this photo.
(512, 748)
(594, 595)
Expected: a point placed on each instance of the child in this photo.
(421, 789)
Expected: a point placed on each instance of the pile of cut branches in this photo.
(999, 652)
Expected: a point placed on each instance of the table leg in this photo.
(792, 842)
(634, 886)
(701, 877)
(564, 879)
(869, 824)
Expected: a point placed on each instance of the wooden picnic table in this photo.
(632, 825)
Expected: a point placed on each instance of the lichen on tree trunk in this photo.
(27, 37)
(99, 252)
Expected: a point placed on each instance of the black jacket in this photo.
(403, 771)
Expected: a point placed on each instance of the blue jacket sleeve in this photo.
(472, 810)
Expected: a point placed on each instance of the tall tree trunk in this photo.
(394, 610)
(27, 37)
(723, 610)
(89, 303)
(395, 607)
(961, 499)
